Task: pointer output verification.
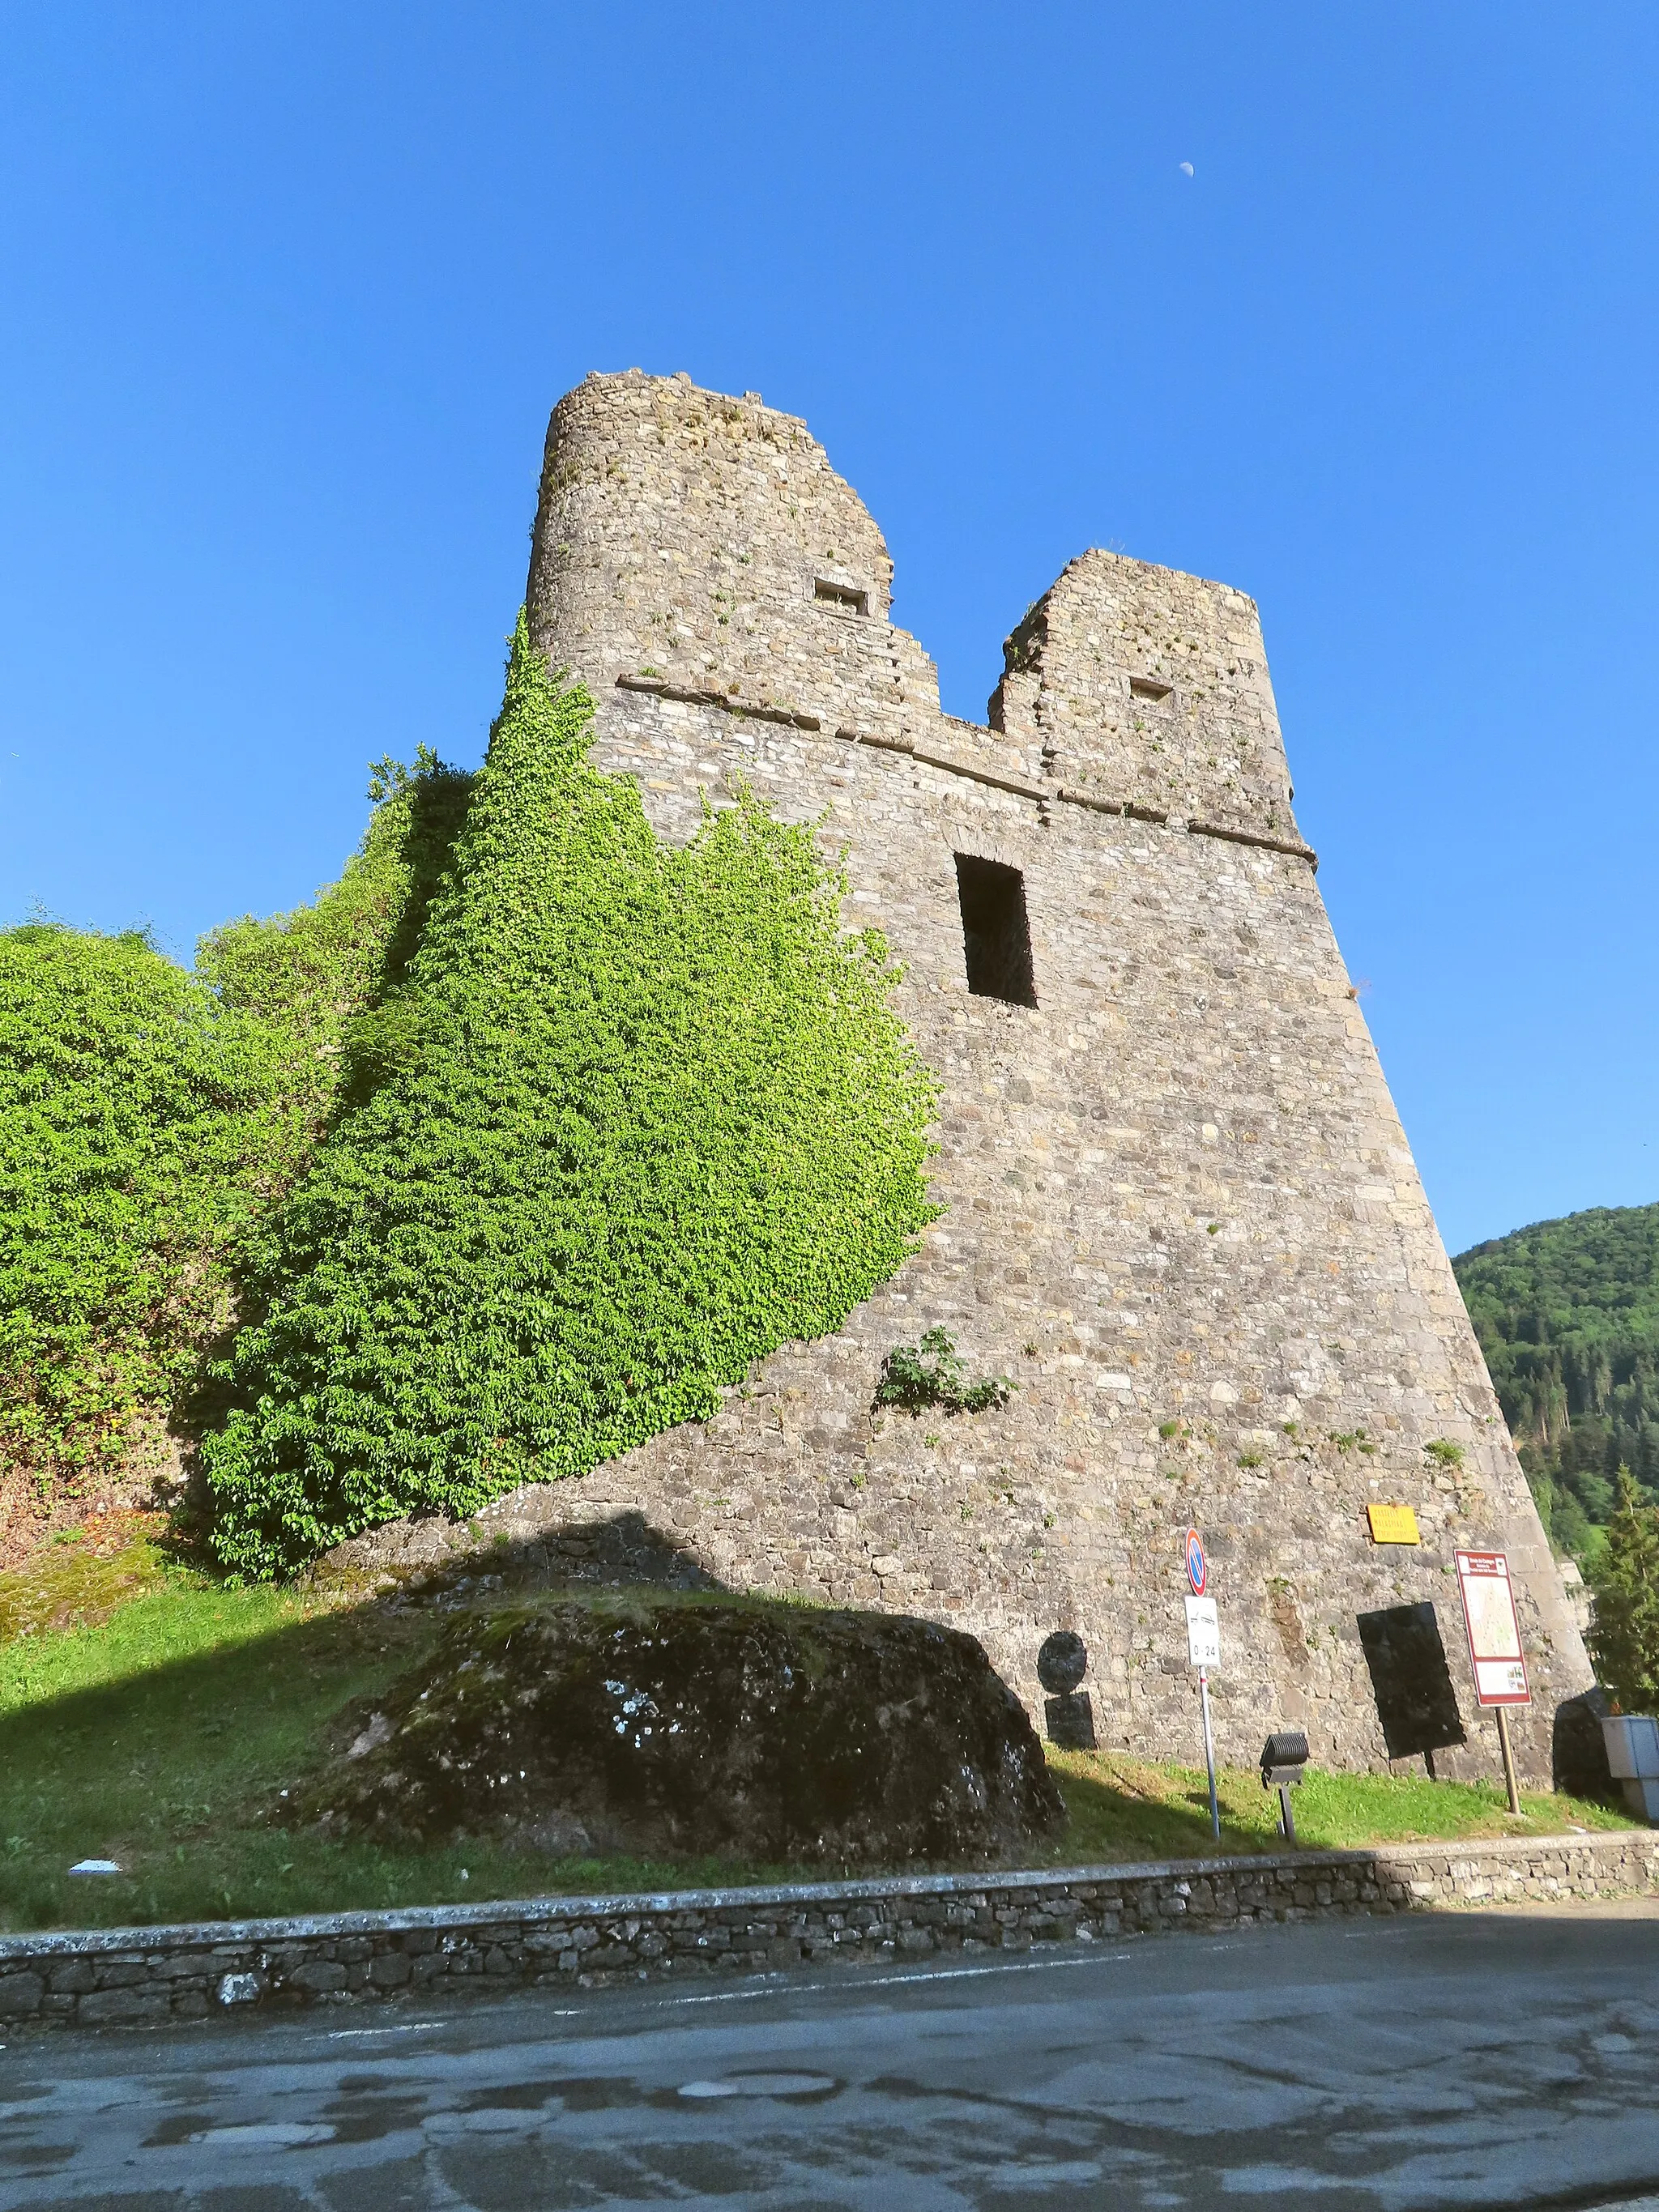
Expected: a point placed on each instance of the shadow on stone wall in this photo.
(1578, 1751)
(1411, 1681)
(435, 1556)
(624, 1549)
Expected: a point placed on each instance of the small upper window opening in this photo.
(847, 596)
(996, 935)
(1148, 687)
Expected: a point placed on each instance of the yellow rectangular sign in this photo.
(1393, 1524)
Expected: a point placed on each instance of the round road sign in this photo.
(1198, 1572)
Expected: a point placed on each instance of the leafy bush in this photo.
(147, 1116)
(309, 974)
(930, 1374)
(634, 1117)
(1624, 1633)
(135, 1125)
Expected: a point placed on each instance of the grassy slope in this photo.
(151, 1716)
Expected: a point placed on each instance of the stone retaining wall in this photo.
(142, 1976)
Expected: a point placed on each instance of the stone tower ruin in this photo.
(1180, 1212)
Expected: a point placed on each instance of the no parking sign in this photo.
(1198, 1568)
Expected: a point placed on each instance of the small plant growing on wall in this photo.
(915, 1377)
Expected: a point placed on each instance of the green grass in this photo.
(150, 1716)
(1124, 1808)
(80, 1575)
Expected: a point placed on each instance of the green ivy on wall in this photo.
(634, 1116)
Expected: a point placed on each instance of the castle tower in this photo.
(1181, 1213)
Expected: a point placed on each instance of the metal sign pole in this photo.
(1509, 1760)
(1209, 1748)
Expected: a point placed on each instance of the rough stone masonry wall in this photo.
(1180, 1210)
(140, 1977)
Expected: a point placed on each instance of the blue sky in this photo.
(290, 290)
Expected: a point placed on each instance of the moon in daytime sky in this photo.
(1186, 168)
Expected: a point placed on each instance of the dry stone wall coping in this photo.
(144, 1976)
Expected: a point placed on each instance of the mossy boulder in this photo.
(661, 1727)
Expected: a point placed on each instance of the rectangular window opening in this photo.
(845, 596)
(996, 935)
(1148, 687)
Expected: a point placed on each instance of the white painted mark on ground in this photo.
(781, 1984)
(278, 2135)
(1044, 2173)
(762, 2085)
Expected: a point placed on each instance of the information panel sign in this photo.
(1500, 1671)
(1203, 1633)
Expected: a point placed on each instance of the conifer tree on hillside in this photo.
(635, 1116)
(1624, 1634)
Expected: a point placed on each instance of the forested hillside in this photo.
(1567, 1313)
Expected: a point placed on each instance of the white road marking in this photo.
(281, 2133)
(761, 2085)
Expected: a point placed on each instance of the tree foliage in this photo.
(149, 1115)
(1624, 1633)
(134, 1120)
(633, 1116)
(308, 975)
(1567, 1313)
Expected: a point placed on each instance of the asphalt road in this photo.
(1460, 2060)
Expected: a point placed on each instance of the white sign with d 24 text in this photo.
(1203, 1633)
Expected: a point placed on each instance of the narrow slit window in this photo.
(1148, 687)
(847, 597)
(996, 935)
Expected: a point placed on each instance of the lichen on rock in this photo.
(737, 1727)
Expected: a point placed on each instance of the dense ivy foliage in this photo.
(134, 1117)
(149, 1115)
(635, 1116)
(1567, 1313)
(310, 974)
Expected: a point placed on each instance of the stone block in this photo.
(121, 1973)
(181, 1966)
(318, 1976)
(111, 2008)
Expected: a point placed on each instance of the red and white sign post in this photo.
(1494, 1633)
